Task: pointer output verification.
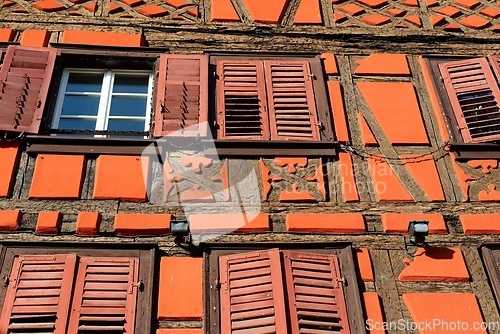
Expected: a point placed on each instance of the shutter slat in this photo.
(315, 307)
(241, 100)
(256, 312)
(291, 97)
(109, 304)
(182, 95)
(474, 96)
(40, 301)
(24, 83)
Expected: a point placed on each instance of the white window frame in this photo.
(105, 97)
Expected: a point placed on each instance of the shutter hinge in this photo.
(320, 125)
(216, 76)
(139, 285)
(216, 284)
(6, 281)
(341, 280)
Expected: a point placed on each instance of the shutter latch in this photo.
(6, 281)
(139, 285)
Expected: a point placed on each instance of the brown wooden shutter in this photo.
(105, 295)
(38, 295)
(251, 293)
(241, 100)
(182, 98)
(24, 81)
(292, 107)
(474, 97)
(315, 293)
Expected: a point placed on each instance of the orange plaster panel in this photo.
(424, 171)
(88, 223)
(121, 177)
(223, 11)
(58, 176)
(338, 110)
(6, 35)
(332, 223)
(373, 312)
(387, 100)
(364, 265)
(265, 11)
(35, 38)
(134, 224)
(48, 222)
(383, 64)
(229, 223)
(309, 12)
(329, 64)
(9, 220)
(102, 38)
(491, 194)
(436, 265)
(485, 165)
(180, 291)
(366, 133)
(447, 308)
(386, 183)
(9, 153)
(398, 222)
(349, 187)
(296, 195)
(486, 223)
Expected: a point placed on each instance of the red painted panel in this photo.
(182, 95)
(39, 293)
(24, 79)
(251, 293)
(475, 98)
(292, 107)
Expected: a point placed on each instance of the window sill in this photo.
(225, 148)
(469, 151)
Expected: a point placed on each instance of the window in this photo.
(266, 99)
(70, 290)
(260, 101)
(470, 100)
(270, 98)
(283, 291)
(491, 257)
(116, 101)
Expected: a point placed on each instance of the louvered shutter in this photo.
(292, 107)
(474, 97)
(182, 98)
(24, 81)
(105, 295)
(251, 293)
(38, 295)
(495, 64)
(241, 100)
(315, 293)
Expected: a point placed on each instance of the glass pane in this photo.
(126, 83)
(80, 105)
(85, 82)
(125, 125)
(128, 106)
(76, 124)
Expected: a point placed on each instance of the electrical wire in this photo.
(360, 152)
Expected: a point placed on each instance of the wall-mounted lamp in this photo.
(418, 230)
(180, 230)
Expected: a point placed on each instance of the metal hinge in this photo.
(341, 280)
(139, 285)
